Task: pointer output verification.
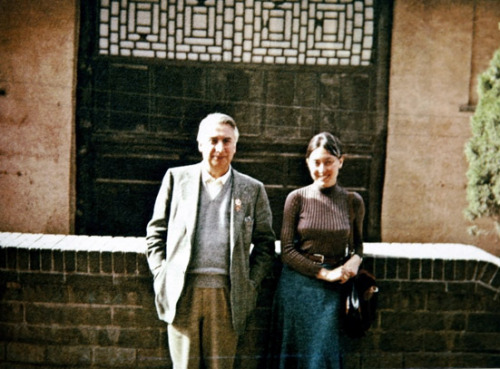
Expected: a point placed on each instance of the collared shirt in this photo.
(212, 185)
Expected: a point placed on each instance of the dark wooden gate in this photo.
(139, 108)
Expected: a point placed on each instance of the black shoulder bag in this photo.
(359, 296)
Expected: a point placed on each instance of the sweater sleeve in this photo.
(359, 215)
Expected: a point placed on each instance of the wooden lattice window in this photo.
(316, 32)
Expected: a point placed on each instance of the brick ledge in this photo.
(443, 251)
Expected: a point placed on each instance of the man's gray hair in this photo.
(214, 119)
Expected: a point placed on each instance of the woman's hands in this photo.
(351, 267)
(330, 275)
(342, 273)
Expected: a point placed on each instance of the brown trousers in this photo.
(202, 334)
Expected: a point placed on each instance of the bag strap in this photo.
(350, 245)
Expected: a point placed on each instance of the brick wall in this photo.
(87, 302)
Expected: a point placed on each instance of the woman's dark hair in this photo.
(327, 141)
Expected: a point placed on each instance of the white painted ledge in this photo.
(444, 251)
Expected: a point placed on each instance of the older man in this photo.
(210, 243)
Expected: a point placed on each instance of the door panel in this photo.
(138, 116)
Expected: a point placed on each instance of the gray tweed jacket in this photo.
(171, 232)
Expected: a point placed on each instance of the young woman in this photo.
(316, 229)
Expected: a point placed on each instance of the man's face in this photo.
(217, 145)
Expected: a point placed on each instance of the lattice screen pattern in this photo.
(300, 32)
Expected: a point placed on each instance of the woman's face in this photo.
(324, 167)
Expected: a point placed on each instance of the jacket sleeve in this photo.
(157, 228)
(263, 238)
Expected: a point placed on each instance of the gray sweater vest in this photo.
(210, 255)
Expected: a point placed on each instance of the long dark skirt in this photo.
(305, 330)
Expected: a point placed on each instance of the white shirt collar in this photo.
(207, 177)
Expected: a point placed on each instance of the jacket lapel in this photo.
(190, 185)
(237, 208)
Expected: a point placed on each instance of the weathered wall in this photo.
(438, 48)
(87, 302)
(37, 80)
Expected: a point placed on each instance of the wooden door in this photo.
(150, 70)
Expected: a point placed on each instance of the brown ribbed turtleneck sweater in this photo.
(316, 221)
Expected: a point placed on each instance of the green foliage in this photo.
(483, 149)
